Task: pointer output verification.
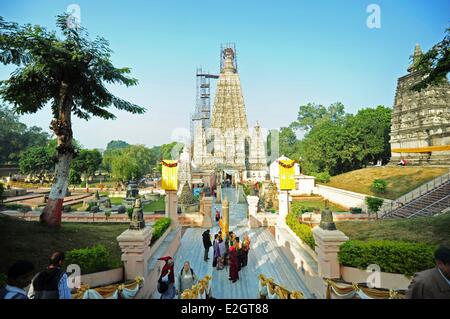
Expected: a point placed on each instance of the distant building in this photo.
(420, 130)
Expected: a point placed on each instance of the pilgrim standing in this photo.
(168, 277)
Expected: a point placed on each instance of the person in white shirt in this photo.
(19, 277)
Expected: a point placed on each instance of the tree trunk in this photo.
(62, 126)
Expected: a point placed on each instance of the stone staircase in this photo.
(429, 204)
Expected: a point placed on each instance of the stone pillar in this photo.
(207, 206)
(135, 251)
(172, 207)
(252, 211)
(225, 217)
(219, 194)
(283, 208)
(327, 248)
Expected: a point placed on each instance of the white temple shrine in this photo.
(305, 185)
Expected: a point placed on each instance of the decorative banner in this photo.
(287, 174)
(169, 175)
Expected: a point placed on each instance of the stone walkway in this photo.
(265, 257)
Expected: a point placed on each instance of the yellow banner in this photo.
(169, 175)
(287, 174)
(424, 149)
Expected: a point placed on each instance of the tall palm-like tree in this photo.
(68, 71)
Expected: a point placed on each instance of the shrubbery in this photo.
(356, 210)
(159, 227)
(379, 186)
(323, 177)
(374, 204)
(303, 231)
(392, 256)
(297, 208)
(90, 259)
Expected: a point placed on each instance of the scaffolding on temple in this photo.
(202, 114)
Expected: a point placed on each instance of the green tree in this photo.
(15, 136)
(346, 143)
(374, 204)
(129, 163)
(435, 63)
(113, 145)
(69, 73)
(370, 129)
(86, 163)
(288, 143)
(37, 160)
(312, 114)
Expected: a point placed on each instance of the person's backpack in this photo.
(45, 284)
(162, 286)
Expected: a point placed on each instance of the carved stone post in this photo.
(252, 211)
(172, 207)
(283, 210)
(135, 251)
(327, 248)
(219, 194)
(207, 206)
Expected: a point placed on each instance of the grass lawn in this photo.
(77, 206)
(401, 180)
(311, 204)
(158, 205)
(32, 241)
(116, 200)
(429, 230)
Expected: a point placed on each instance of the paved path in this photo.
(265, 257)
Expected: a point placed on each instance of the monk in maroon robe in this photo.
(234, 267)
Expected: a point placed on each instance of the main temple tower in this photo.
(229, 121)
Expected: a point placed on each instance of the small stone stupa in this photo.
(326, 218)
(137, 218)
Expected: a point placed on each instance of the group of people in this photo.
(229, 251)
(50, 283)
(168, 285)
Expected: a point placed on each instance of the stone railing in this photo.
(388, 207)
(268, 289)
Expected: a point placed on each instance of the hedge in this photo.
(90, 259)
(391, 256)
(297, 208)
(159, 227)
(303, 231)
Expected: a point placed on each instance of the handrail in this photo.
(419, 211)
(403, 200)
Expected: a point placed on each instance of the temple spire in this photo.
(228, 65)
(415, 57)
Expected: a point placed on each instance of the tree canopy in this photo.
(113, 145)
(311, 114)
(49, 65)
(337, 142)
(16, 137)
(435, 63)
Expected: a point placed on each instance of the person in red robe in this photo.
(167, 274)
(234, 267)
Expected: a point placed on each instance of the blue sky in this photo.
(289, 53)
